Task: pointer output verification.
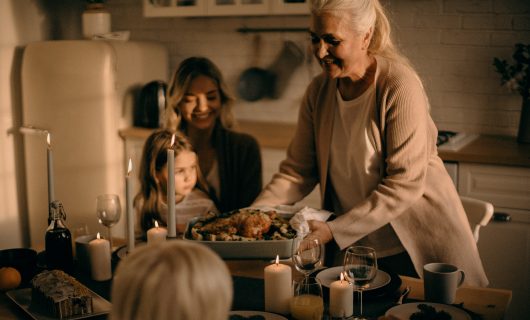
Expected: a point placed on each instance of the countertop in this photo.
(493, 150)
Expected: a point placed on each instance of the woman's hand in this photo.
(321, 230)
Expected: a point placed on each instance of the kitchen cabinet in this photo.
(202, 8)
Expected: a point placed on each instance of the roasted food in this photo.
(242, 225)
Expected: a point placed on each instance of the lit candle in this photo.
(171, 222)
(100, 267)
(129, 208)
(156, 234)
(341, 298)
(51, 191)
(278, 287)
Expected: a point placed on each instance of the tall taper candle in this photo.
(171, 221)
(130, 208)
(51, 191)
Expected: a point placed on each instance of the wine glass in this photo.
(108, 210)
(307, 254)
(360, 268)
(307, 302)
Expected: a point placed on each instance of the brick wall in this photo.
(451, 43)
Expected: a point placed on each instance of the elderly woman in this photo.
(365, 135)
(174, 280)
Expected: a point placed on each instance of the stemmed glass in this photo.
(360, 268)
(307, 254)
(108, 210)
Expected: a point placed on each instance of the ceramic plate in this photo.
(404, 311)
(327, 276)
(266, 315)
(22, 297)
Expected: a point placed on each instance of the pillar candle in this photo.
(129, 208)
(341, 298)
(171, 221)
(51, 191)
(156, 234)
(100, 267)
(278, 287)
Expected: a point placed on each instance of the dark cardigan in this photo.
(240, 170)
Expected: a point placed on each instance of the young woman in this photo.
(190, 197)
(199, 105)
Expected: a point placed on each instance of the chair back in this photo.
(478, 213)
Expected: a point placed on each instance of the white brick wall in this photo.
(451, 42)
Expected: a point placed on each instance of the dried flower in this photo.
(516, 76)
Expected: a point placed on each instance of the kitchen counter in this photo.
(495, 150)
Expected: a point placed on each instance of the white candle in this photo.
(129, 208)
(100, 266)
(278, 287)
(51, 191)
(171, 222)
(156, 234)
(341, 298)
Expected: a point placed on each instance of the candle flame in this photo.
(98, 236)
(48, 140)
(156, 224)
(341, 277)
(277, 259)
(172, 140)
(129, 168)
(100, 222)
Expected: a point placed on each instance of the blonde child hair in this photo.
(172, 280)
(149, 199)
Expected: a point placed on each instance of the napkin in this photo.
(299, 221)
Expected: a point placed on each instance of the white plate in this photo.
(22, 297)
(266, 315)
(327, 276)
(404, 311)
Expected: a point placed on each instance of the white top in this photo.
(356, 166)
(195, 204)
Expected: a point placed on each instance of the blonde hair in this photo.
(365, 15)
(172, 280)
(149, 199)
(186, 72)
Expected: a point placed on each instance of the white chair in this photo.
(478, 213)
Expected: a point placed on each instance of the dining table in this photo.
(248, 274)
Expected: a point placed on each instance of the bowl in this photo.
(22, 259)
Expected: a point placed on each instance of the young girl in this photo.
(190, 198)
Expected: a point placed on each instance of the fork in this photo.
(403, 295)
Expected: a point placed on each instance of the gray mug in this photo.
(440, 281)
(82, 254)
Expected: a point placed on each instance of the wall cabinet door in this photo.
(237, 7)
(174, 8)
(290, 7)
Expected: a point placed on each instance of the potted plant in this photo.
(516, 77)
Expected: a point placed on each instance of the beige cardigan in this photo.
(416, 195)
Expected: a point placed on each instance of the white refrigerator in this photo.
(83, 92)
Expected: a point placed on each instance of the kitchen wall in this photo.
(451, 42)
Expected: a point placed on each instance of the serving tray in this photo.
(22, 297)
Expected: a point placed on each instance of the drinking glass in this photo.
(307, 302)
(360, 268)
(306, 254)
(108, 211)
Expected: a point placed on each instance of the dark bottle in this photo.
(58, 242)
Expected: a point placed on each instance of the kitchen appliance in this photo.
(149, 110)
(82, 92)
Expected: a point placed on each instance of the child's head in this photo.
(153, 173)
(187, 73)
(172, 280)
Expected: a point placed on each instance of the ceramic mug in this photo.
(440, 281)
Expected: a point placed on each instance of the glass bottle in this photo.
(58, 241)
